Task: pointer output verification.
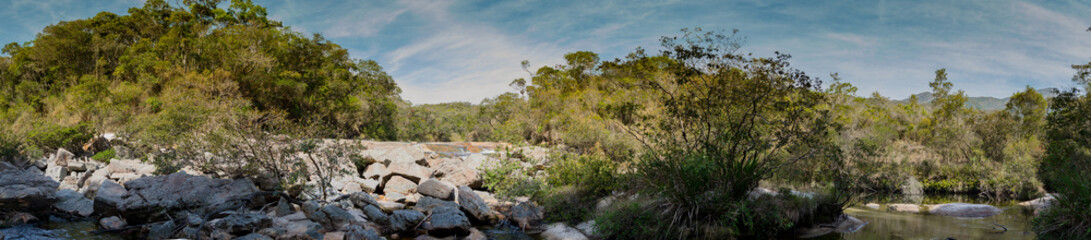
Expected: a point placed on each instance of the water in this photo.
(883, 224)
(55, 230)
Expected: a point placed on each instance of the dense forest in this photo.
(693, 127)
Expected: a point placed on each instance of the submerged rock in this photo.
(964, 210)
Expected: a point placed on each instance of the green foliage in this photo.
(508, 178)
(105, 156)
(50, 137)
(1066, 168)
(592, 175)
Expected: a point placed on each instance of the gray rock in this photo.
(474, 205)
(254, 236)
(447, 221)
(151, 198)
(1041, 203)
(459, 173)
(56, 172)
(405, 220)
(427, 203)
(526, 214)
(394, 152)
(560, 231)
(361, 199)
(26, 191)
(964, 210)
(376, 215)
(369, 185)
(588, 228)
(77, 167)
(360, 233)
(10, 219)
(476, 235)
(112, 223)
(130, 166)
(396, 197)
(109, 196)
(91, 184)
(5, 166)
(194, 220)
(74, 203)
(164, 230)
(435, 188)
(61, 158)
(912, 187)
(409, 170)
(332, 216)
(401, 185)
(284, 208)
(390, 207)
(244, 223)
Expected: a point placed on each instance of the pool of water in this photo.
(884, 224)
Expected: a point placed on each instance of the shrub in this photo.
(104, 156)
(49, 138)
(507, 177)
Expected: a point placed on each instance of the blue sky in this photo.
(441, 51)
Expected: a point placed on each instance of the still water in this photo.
(883, 224)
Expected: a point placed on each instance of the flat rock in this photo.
(74, 203)
(405, 220)
(447, 221)
(26, 190)
(401, 185)
(435, 188)
(560, 231)
(376, 171)
(904, 207)
(409, 170)
(427, 203)
(964, 210)
(389, 207)
(150, 198)
(1040, 203)
(394, 152)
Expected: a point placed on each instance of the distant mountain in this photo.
(984, 103)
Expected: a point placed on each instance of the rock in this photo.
(474, 205)
(401, 185)
(390, 207)
(130, 166)
(435, 188)
(74, 203)
(369, 185)
(10, 219)
(476, 235)
(283, 208)
(912, 187)
(361, 199)
(844, 224)
(332, 216)
(459, 174)
(376, 215)
(405, 220)
(61, 158)
(92, 183)
(489, 198)
(70, 182)
(301, 230)
(109, 196)
(334, 236)
(245, 223)
(903, 207)
(872, 206)
(5, 166)
(194, 220)
(96, 144)
(964, 210)
(25, 190)
(254, 236)
(427, 203)
(396, 197)
(446, 221)
(151, 198)
(526, 214)
(376, 171)
(164, 230)
(408, 170)
(588, 228)
(360, 233)
(112, 223)
(1040, 203)
(56, 172)
(76, 167)
(394, 152)
(560, 231)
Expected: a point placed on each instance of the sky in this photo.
(444, 51)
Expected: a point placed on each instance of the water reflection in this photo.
(883, 224)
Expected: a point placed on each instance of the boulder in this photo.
(964, 210)
(73, 202)
(390, 207)
(396, 197)
(405, 220)
(560, 231)
(435, 188)
(588, 228)
(114, 222)
(369, 185)
(872, 206)
(10, 219)
(912, 187)
(25, 190)
(376, 171)
(61, 158)
(904, 207)
(110, 195)
(844, 224)
(447, 221)
(56, 172)
(92, 183)
(361, 199)
(332, 217)
(409, 170)
(5, 166)
(427, 203)
(376, 215)
(458, 173)
(283, 208)
(476, 235)
(360, 233)
(151, 198)
(337, 235)
(254, 236)
(243, 223)
(1041, 203)
(164, 230)
(398, 184)
(474, 205)
(394, 152)
(526, 214)
(130, 166)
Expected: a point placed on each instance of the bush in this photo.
(49, 138)
(508, 178)
(105, 156)
(631, 220)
